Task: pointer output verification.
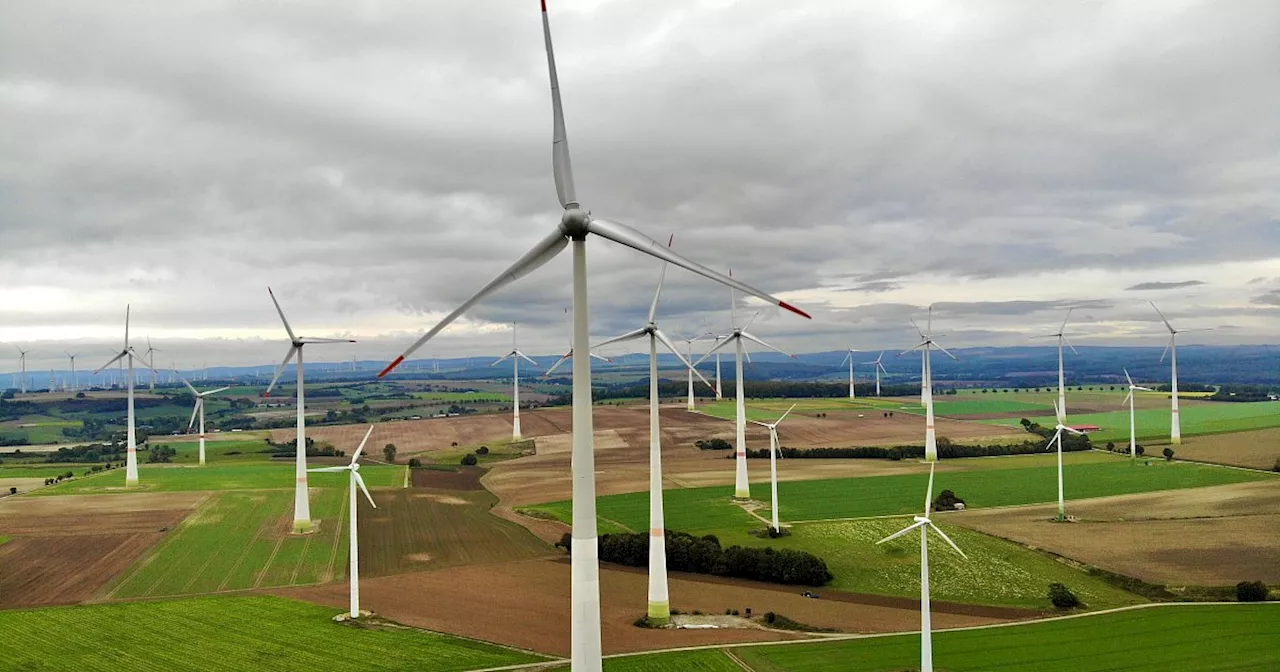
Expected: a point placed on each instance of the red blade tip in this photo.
(544, 5)
(795, 310)
(391, 366)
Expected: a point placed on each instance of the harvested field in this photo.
(1203, 537)
(465, 478)
(417, 436)
(412, 530)
(1259, 449)
(526, 604)
(60, 555)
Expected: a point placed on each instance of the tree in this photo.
(1251, 591)
(947, 501)
(389, 451)
(1168, 453)
(469, 459)
(1062, 597)
(1139, 450)
(13, 491)
(414, 463)
(482, 450)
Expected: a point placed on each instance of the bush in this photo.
(469, 460)
(1062, 597)
(13, 491)
(414, 463)
(482, 450)
(1139, 450)
(946, 501)
(1111, 446)
(1251, 591)
(703, 555)
(714, 444)
(1168, 453)
(389, 451)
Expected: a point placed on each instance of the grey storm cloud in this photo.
(384, 159)
(1147, 286)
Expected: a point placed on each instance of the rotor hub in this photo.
(574, 223)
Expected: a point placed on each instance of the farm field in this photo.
(464, 397)
(706, 510)
(235, 476)
(1257, 449)
(1213, 536)
(248, 633)
(240, 449)
(1152, 424)
(242, 540)
(1168, 641)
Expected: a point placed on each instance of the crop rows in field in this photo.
(226, 634)
(230, 476)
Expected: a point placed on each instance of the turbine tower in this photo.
(741, 486)
(1057, 437)
(774, 447)
(150, 358)
(878, 365)
(515, 356)
(925, 524)
(1062, 384)
(1133, 435)
(199, 409)
(659, 600)
(128, 355)
(74, 382)
(22, 382)
(355, 481)
(1175, 426)
(849, 359)
(301, 500)
(576, 224)
(925, 346)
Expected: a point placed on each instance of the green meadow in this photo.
(1197, 418)
(234, 476)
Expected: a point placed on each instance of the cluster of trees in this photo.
(946, 450)
(161, 454)
(719, 444)
(58, 478)
(703, 555)
(290, 448)
(752, 388)
(470, 459)
(1251, 591)
(1186, 387)
(93, 452)
(1242, 393)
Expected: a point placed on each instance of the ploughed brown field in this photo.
(526, 604)
(1258, 449)
(1213, 536)
(65, 550)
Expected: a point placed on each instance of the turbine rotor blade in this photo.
(220, 389)
(944, 351)
(194, 409)
(1126, 377)
(1166, 349)
(355, 476)
(784, 415)
(113, 361)
(662, 275)
(625, 235)
(560, 361)
(1162, 318)
(293, 350)
(629, 336)
(503, 358)
(928, 494)
(657, 333)
(561, 165)
(947, 539)
(749, 337)
(903, 531)
(526, 358)
(1064, 320)
(714, 348)
(359, 449)
(189, 387)
(287, 328)
(1073, 348)
(544, 251)
(330, 469)
(306, 339)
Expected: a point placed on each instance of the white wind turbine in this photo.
(925, 346)
(1057, 437)
(1133, 435)
(568, 355)
(131, 445)
(1062, 385)
(301, 499)
(576, 224)
(878, 365)
(356, 481)
(688, 342)
(515, 356)
(849, 359)
(774, 447)
(74, 382)
(925, 524)
(22, 382)
(1175, 426)
(741, 486)
(199, 409)
(659, 600)
(150, 358)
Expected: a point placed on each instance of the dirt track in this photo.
(1205, 536)
(526, 604)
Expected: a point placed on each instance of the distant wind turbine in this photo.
(925, 524)
(878, 365)
(301, 497)
(925, 346)
(1175, 426)
(568, 355)
(688, 342)
(355, 481)
(1133, 435)
(199, 409)
(774, 447)
(22, 382)
(1062, 385)
(515, 355)
(128, 355)
(849, 359)
(150, 358)
(1057, 437)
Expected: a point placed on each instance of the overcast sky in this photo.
(377, 162)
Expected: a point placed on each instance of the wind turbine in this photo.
(199, 408)
(301, 501)
(741, 487)
(659, 601)
(689, 341)
(150, 358)
(849, 359)
(22, 382)
(925, 346)
(1062, 385)
(773, 460)
(1133, 437)
(1057, 436)
(577, 224)
(568, 355)
(515, 356)
(1175, 427)
(925, 524)
(879, 366)
(131, 450)
(356, 480)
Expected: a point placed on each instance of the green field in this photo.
(226, 634)
(238, 540)
(1153, 423)
(767, 410)
(251, 447)
(462, 397)
(168, 478)
(1186, 638)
